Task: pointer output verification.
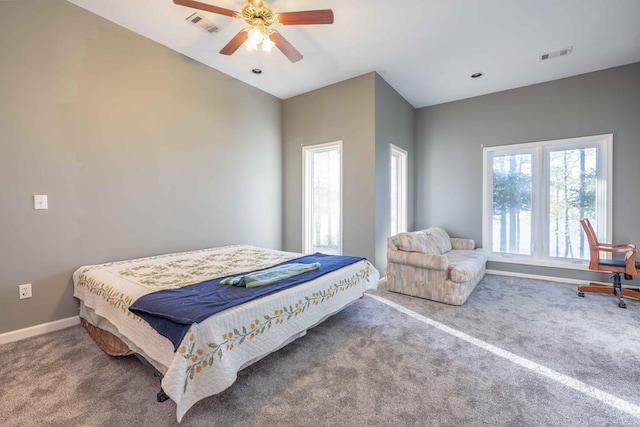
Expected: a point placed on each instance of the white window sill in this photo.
(570, 265)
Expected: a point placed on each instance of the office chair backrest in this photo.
(593, 243)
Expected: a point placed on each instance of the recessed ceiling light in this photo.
(256, 71)
(476, 75)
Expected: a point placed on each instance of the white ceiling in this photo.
(425, 49)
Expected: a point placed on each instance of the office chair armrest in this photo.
(616, 250)
(630, 251)
(617, 245)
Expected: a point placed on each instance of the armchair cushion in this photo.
(432, 241)
(442, 239)
(466, 264)
(418, 241)
(464, 244)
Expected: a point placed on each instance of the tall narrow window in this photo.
(572, 194)
(512, 203)
(536, 193)
(323, 198)
(398, 190)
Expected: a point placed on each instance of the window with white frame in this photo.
(322, 216)
(398, 190)
(536, 193)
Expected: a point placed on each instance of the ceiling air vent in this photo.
(202, 23)
(557, 53)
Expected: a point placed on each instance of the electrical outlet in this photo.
(25, 291)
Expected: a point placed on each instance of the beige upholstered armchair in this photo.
(430, 264)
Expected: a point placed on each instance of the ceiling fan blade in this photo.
(306, 17)
(207, 7)
(256, 3)
(235, 43)
(285, 47)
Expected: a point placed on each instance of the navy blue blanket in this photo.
(171, 312)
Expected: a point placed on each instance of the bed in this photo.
(208, 358)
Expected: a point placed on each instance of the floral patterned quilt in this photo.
(212, 352)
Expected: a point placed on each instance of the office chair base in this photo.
(615, 289)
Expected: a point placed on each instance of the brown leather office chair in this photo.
(627, 266)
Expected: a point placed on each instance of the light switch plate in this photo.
(40, 201)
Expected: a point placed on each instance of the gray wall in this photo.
(449, 140)
(141, 151)
(343, 111)
(367, 114)
(395, 124)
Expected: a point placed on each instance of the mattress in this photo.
(213, 351)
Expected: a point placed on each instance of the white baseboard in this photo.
(36, 330)
(540, 277)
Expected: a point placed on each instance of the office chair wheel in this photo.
(622, 305)
(581, 294)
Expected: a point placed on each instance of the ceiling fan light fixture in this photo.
(259, 16)
(251, 46)
(255, 36)
(267, 44)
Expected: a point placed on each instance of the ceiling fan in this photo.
(259, 15)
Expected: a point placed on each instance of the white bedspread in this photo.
(212, 352)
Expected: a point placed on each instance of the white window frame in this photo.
(402, 189)
(540, 203)
(307, 205)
